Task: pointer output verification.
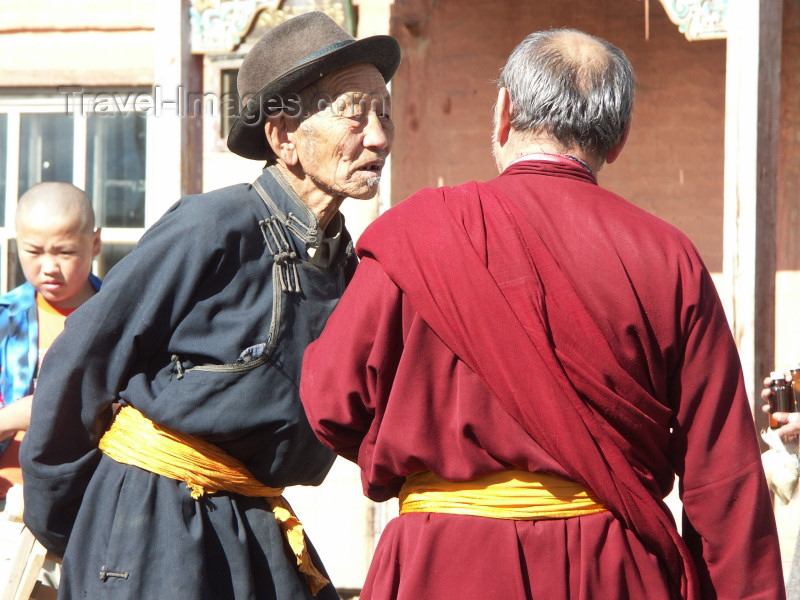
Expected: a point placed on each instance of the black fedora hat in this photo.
(290, 57)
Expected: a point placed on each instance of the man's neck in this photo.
(522, 146)
(323, 203)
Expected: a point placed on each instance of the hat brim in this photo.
(247, 137)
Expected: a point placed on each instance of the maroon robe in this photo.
(540, 322)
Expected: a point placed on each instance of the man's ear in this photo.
(97, 245)
(613, 154)
(280, 139)
(502, 117)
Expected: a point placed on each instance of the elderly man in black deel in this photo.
(199, 335)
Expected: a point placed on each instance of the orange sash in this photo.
(518, 495)
(133, 439)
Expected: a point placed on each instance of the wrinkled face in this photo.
(342, 146)
(57, 258)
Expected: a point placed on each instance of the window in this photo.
(45, 138)
(115, 163)
(45, 149)
(230, 103)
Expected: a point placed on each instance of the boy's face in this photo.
(56, 258)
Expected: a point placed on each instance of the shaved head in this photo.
(54, 200)
(57, 242)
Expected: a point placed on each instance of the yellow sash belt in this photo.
(517, 495)
(135, 440)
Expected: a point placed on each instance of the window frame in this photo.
(213, 69)
(27, 101)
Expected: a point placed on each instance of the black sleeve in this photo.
(142, 299)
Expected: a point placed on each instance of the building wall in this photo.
(91, 42)
(56, 56)
(445, 90)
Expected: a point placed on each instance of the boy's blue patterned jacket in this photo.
(19, 341)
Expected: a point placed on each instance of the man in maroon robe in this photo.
(540, 323)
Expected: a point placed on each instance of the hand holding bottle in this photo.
(779, 395)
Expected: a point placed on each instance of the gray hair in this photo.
(579, 97)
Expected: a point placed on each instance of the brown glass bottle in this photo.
(795, 371)
(782, 397)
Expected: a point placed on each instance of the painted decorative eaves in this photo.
(699, 19)
(220, 26)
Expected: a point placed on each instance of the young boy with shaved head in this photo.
(56, 242)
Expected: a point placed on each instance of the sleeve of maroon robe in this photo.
(371, 403)
(727, 512)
